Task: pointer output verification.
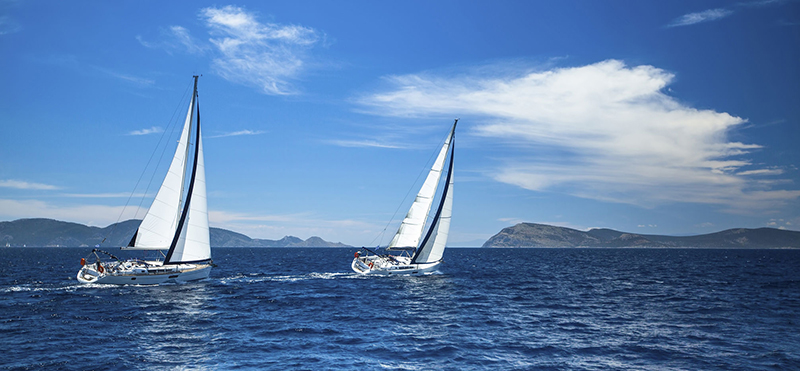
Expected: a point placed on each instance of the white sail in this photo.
(433, 249)
(194, 243)
(159, 225)
(410, 231)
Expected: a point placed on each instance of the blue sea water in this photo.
(288, 308)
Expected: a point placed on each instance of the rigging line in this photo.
(413, 186)
(114, 227)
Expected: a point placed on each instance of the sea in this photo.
(486, 309)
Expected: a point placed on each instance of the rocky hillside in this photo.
(542, 235)
(49, 232)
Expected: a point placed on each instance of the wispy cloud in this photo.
(152, 130)
(104, 195)
(238, 133)
(761, 172)
(266, 54)
(8, 25)
(244, 50)
(700, 17)
(711, 15)
(362, 143)
(19, 184)
(603, 131)
(175, 38)
(125, 77)
(513, 221)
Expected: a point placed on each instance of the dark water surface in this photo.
(558, 309)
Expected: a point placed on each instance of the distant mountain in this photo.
(541, 235)
(49, 232)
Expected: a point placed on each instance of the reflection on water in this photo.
(176, 325)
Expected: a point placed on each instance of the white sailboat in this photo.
(177, 222)
(417, 257)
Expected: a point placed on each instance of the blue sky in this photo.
(677, 117)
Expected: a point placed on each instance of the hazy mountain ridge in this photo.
(542, 235)
(49, 232)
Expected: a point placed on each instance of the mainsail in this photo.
(432, 247)
(181, 227)
(410, 231)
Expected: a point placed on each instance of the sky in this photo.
(319, 117)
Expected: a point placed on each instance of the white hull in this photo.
(152, 275)
(381, 266)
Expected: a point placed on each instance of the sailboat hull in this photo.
(377, 268)
(153, 276)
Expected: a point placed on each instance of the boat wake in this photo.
(260, 277)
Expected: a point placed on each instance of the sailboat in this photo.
(417, 257)
(176, 222)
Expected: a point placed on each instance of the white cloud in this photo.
(181, 35)
(19, 184)
(175, 38)
(8, 25)
(238, 133)
(362, 143)
(152, 130)
(104, 195)
(125, 77)
(264, 55)
(761, 172)
(511, 221)
(699, 17)
(603, 131)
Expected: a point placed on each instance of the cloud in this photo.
(244, 50)
(264, 55)
(8, 25)
(18, 184)
(152, 130)
(603, 131)
(238, 133)
(761, 172)
(362, 143)
(104, 195)
(700, 17)
(513, 221)
(125, 77)
(175, 38)
(719, 13)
